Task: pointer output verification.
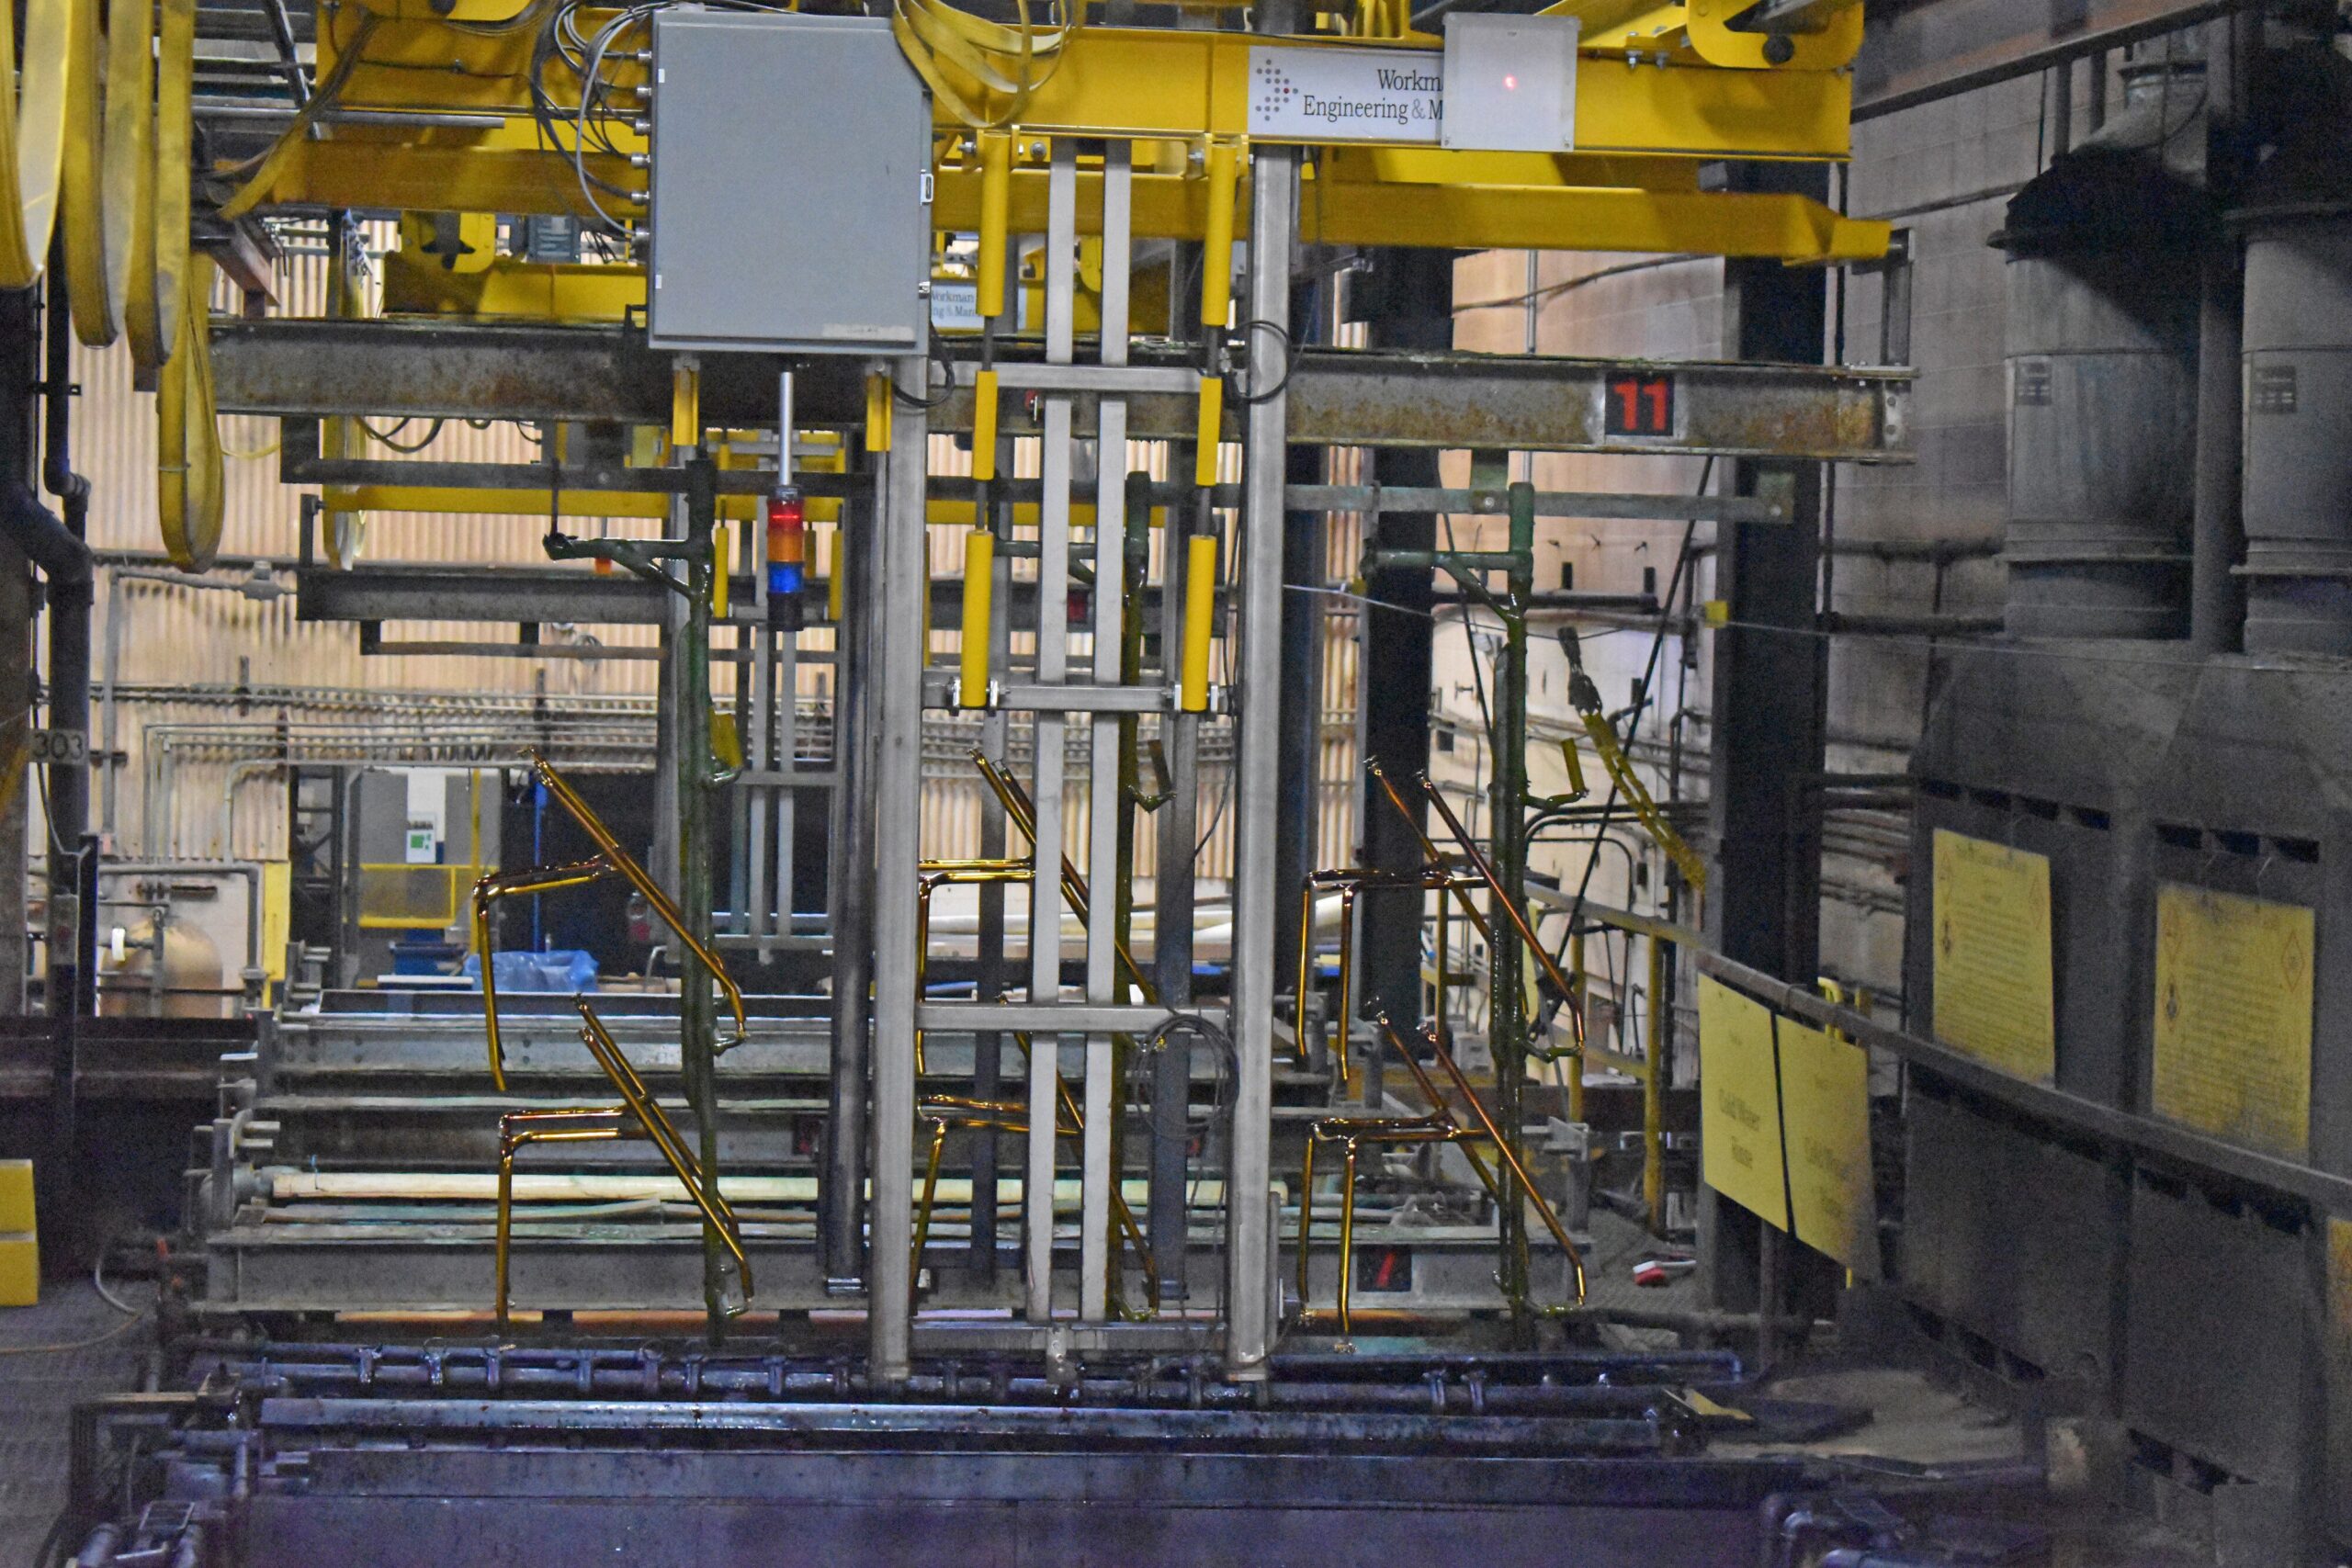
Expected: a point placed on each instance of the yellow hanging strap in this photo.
(159, 272)
(32, 134)
(967, 60)
(97, 227)
(127, 166)
(833, 578)
(980, 584)
(188, 481)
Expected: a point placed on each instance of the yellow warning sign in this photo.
(2234, 1017)
(1825, 1100)
(1993, 997)
(1740, 1102)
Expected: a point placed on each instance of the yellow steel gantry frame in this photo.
(1646, 117)
(1661, 90)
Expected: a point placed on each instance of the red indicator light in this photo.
(1511, 84)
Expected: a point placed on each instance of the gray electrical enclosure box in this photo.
(791, 186)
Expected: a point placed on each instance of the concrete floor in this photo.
(40, 1385)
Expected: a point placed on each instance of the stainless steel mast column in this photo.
(1045, 793)
(852, 907)
(1097, 1250)
(1256, 786)
(901, 566)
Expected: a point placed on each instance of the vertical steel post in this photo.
(989, 973)
(1172, 914)
(1097, 1240)
(853, 912)
(2217, 530)
(1769, 670)
(902, 569)
(1506, 955)
(1052, 668)
(697, 1014)
(1258, 641)
(1406, 301)
(1304, 566)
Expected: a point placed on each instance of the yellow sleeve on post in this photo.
(984, 426)
(1223, 162)
(980, 581)
(833, 579)
(996, 216)
(877, 413)
(686, 406)
(722, 550)
(1200, 615)
(1212, 431)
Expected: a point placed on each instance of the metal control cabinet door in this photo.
(791, 186)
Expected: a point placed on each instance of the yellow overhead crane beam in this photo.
(1643, 128)
(1812, 35)
(1153, 83)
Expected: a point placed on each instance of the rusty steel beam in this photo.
(1338, 397)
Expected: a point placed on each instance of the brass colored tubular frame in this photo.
(1581, 976)
(1428, 845)
(499, 884)
(1018, 807)
(1343, 1018)
(515, 1130)
(1120, 1211)
(1510, 1155)
(1486, 870)
(1012, 1117)
(935, 875)
(1436, 1128)
(664, 1135)
(1305, 965)
(637, 1116)
(660, 902)
(1351, 881)
(1653, 1092)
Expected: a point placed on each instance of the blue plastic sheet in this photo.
(566, 972)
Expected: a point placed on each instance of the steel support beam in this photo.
(1406, 302)
(1338, 397)
(2217, 595)
(1770, 674)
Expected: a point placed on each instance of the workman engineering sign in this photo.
(1510, 82)
(1346, 94)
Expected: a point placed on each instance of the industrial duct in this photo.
(2297, 220)
(2103, 287)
